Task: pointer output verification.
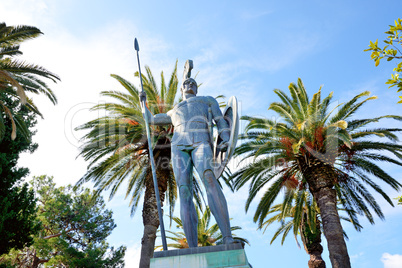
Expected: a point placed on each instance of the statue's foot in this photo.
(228, 240)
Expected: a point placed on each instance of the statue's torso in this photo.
(190, 120)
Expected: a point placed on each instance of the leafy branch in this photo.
(392, 50)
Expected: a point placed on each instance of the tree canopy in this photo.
(74, 227)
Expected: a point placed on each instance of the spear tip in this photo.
(136, 46)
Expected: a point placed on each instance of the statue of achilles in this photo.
(192, 147)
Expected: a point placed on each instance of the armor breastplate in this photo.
(190, 121)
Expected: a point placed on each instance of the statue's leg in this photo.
(202, 157)
(183, 171)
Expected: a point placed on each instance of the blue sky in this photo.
(239, 48)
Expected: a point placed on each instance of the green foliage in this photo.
(290, 214)
(75, 225)
(207, 235)
(391, 50)
(17, 219)
(312, 137)
(18, 77)
(17, 203)
(299, 212)
(400, 200)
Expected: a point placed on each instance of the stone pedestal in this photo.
(229, 256)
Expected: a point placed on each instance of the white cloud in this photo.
(255, 14)
(295, 47)
(392, 261)
(22, 11)
(84, 64)
(356, 257)
(133, 254)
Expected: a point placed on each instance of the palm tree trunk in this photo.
(150, 217)
(316, 260)
(312, 243)
(150, 220)
(320, 179)
(147, 245)
(338, 253)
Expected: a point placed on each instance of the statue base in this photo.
(220, 256)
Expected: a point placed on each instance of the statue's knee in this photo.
(185, 192)
(209, 176)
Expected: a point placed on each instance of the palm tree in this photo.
(117, 148)
(18, 77)
(327, 152)
(299, 212)
(207, 235)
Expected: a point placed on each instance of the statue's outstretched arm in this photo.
(158, 119)
(162, 119)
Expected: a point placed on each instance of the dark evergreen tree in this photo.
(17, 202)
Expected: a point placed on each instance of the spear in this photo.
(151, 154)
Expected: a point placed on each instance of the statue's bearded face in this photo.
(189, 86)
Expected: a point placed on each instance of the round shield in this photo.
(232, 118)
